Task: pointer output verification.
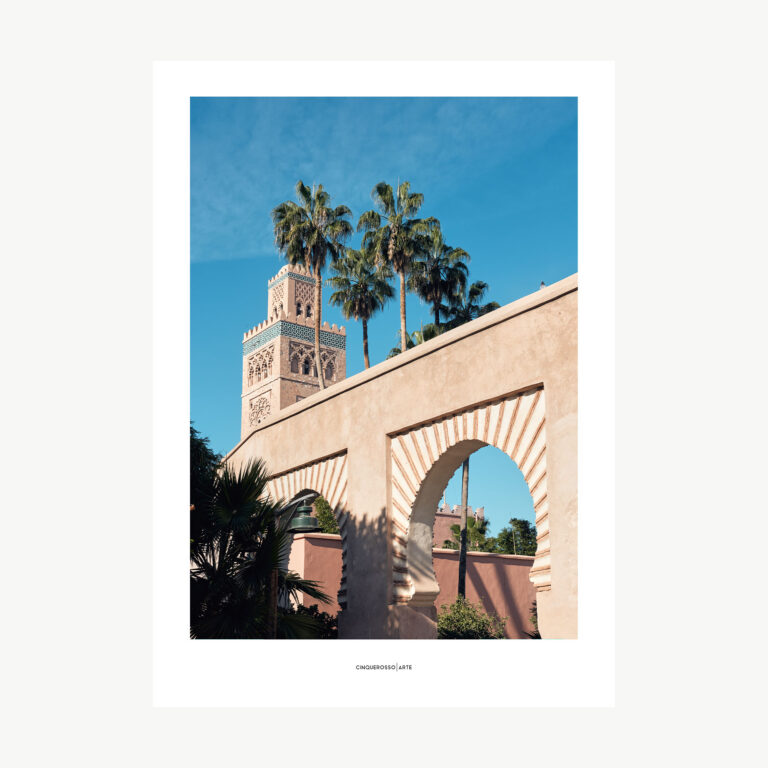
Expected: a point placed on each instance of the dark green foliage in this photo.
(327, 624)
(324, 515)
(393, 232)
(535, 635)
(428, 332)
(466, 621)
(519, 538)
(361, 283)
(202, 466)
(466, 305)
(477, 540)
(239, 538)
(438, 270)
(307, 233)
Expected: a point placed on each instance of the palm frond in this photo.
(368, 221)
(383, 198)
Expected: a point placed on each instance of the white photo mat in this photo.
(267, 673)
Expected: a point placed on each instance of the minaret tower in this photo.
(279, 354)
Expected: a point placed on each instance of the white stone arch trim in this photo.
(328, 477)
(515, 424)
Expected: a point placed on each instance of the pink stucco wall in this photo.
(499, 582)
(321, 556)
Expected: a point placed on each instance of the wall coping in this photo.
(298, 536)
(438, 550)
(527, 558)
(524, 304)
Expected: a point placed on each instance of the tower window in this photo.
(329, 371)
(305, 367)
(298, 307)
(309, 310)
(294, 364)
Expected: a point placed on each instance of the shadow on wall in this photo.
(501, 593)
(499, 582)
(367, 597)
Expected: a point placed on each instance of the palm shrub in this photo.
(477, 541)
(307, 233)
(438, 270)
(237, 574)
(361, 287)
(467, 305)
(393, 232)
(428, 332)
(463, 620)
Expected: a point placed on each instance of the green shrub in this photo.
(325, 516)
(465, 621)
(534, 615)
(312, 622)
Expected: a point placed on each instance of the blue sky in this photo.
(499, 173)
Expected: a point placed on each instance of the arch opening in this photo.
(497, 577)
(320, 558)
(423, 460)
(327, 478)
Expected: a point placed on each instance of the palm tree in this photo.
(306, 233)
(238, 549)
(438, 271)
(466, 305)
(462, 586)
(477, 536)
(427, 332)
(392, 230)
(362, 288)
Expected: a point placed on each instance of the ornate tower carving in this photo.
(279, 366)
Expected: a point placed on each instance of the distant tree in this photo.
(325, 517)
(466, 621)
(518, 538)
(202, 466)
(361, 287)
(203, 463)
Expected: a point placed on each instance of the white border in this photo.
(260, 673)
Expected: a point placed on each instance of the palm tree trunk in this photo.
(272, 620)
(365, 344)
(438, 299)
(463, 534)
(403, 332)
(318, 301)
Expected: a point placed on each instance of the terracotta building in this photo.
(279, 366)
